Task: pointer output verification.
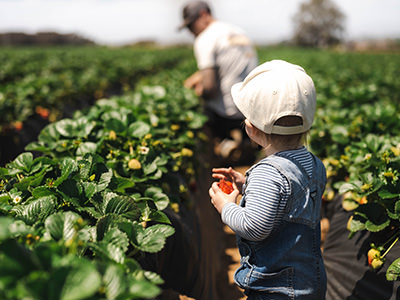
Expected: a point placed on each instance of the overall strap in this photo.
(311, 177)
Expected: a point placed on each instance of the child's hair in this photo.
(291, 141)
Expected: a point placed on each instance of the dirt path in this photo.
(229, 260)
(233, 292)
(232, 253)
(230, 263)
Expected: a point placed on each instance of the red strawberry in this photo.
(225, 186)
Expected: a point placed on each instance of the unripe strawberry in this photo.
(376, 263)
(373, 254)
(134, 164)
(112, 135)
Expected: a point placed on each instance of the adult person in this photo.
(224, 55)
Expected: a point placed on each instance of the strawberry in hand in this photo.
(225, 186)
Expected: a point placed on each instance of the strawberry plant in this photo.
(356, 132)
(88, 209)
(372, 191)
(64, 228)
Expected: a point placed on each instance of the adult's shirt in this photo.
(226, 48)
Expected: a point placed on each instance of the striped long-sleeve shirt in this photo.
(267, 192)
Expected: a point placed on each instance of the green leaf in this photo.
(160, 199)
(49, 135)
(90, 189)
(103, 225)
(16, 259)
(159, 216)
(123, 206)
(347, 187)
(104, 180)
(393, 209)
(166, 230)
(70, 189)
(384, 194)
(138, 129)
(3, 172)
(114, 281)
(85, 167)
(10, 228)
(121, 183)
(30, 181)
(144, 289)
(67, 166)
(340, 134)
(72, 128)
(393, 272)
(75, 280)
(152, 239)
(61, 226)
(113, 246)
(150, 168)
(86, 147)
(36, 210)
(375, 215)
(357, 223)
(23, 163)
(115, 120)
(115, 124)
(153, 277)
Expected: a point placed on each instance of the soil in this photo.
(213, 247)
(229, 259)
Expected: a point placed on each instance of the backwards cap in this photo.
(191, 12)
(273, 90)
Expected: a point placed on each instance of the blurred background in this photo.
(123, 22)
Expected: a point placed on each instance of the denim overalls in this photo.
(288, 263)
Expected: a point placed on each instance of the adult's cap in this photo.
(191, 11)
(273, 90)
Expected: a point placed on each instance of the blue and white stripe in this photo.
(266, 194)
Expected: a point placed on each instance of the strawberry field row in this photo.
(77, 220)
(107, 175)
(357, 134)
(42, 85)
(51, 81)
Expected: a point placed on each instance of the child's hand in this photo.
(229, 174)
(219, 198)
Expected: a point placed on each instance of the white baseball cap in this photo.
(273, 90)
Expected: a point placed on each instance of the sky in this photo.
(119, 22)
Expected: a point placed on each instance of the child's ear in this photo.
(249, 127)
(247, 123)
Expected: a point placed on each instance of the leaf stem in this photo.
(395, 241)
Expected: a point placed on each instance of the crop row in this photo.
(78, 219)
(357, 134)
(125, 146)
(53, 82)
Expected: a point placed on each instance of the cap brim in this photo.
(235, 96)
